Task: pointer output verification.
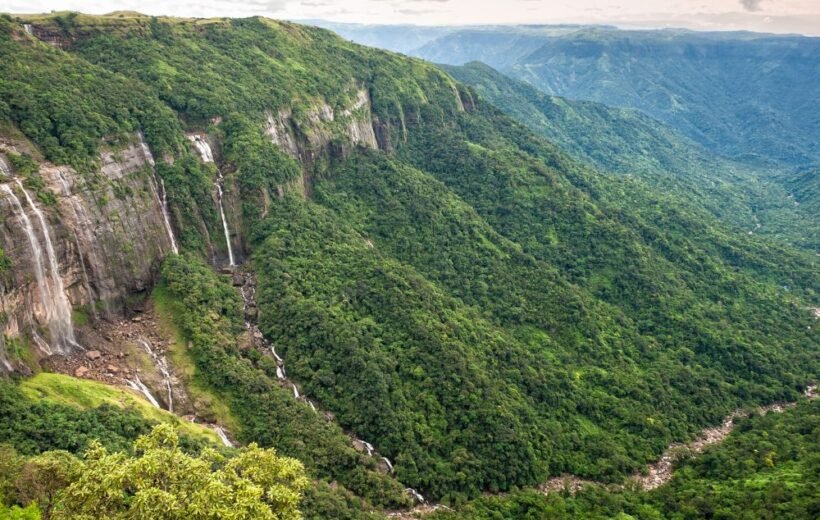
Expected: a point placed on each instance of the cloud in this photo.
(751, 5)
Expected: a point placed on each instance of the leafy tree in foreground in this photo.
(163, 482)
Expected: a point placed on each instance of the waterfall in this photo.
(62, 308)
(52, 292)
(4, 354)
(162, 365)
(149, 157)
(166, 216)
(41, 343)
(163, 199)
(312, 407)
(275, 356)
(223, 437)
(280, 373)
(218, 184)
(416, 495)
(295, 391)
(203, 148)
(389, 464)
(369, 448)
(138, 386)
(28, 29)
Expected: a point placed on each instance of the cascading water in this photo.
(416, 495)
(280, 373)
(166, 215)
(52, 293)
(275, 355)
(61, 307)
(389, 464)
(140, 387)
(4, 354)
(162, 365)
(223, 436)
(162, 198)
(295, 391)
(219, 180)
(207, 156)
(202, 147)
(28, 29)
(369, 448)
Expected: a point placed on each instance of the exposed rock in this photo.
(91, 226)
(81, 372)
(93, 355)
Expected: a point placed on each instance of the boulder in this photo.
(93, 355)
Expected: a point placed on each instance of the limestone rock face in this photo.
(106, 230)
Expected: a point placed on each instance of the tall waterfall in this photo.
(162, 197)
(207, 156)
(166, 216)
(52, 292)
(219, 180)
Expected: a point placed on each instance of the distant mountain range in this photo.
(745, 95)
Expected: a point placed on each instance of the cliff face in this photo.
(322, 132)
(100, 239)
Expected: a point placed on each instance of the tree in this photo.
(44, 477)
(162, 482)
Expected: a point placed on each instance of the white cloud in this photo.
(785, 15)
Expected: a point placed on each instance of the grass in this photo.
(164, 308)
(83, 394)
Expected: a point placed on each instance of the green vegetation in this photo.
(82, 394)
(766, 469)
(482, 308)
(52, 411)
(160, 481)
(740, 94)
(208, 312)
(628, 142)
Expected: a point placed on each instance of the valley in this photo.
(415, 289)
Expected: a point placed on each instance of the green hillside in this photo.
(744, 95)
(483, 308)
(628, 142)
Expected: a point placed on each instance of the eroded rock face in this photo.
(305, 140)
(107, 233)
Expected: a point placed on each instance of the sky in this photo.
(782, 16)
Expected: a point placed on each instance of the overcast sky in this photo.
(800, 16)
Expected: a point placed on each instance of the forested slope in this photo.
(484, 309)
(743, 196)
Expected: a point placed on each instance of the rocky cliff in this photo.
(77, 246)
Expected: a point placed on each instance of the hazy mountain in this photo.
(268, 236)
(751, 198)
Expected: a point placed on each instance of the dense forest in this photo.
(484, 308)
(766, 469)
